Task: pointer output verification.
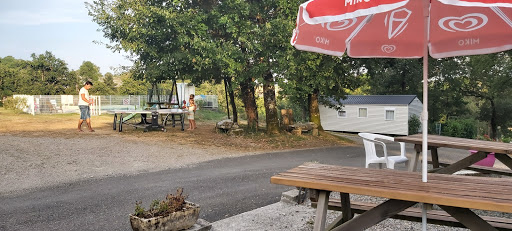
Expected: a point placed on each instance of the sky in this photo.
(62, 27)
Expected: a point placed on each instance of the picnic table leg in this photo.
(375, 215)
(173, 122)
(462, 164)
(182, 119)
(505, 159)
(165, 120)
(413, 165)
(346, 209)
(321, 210)
(468, 218)
(121, 122)
(115, 121)
(435, 157)
(346, 212)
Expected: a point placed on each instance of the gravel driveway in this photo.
(29, 163)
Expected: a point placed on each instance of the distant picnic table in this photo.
(502, 153)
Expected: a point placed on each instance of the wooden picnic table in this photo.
(483, 148)
(454, 194)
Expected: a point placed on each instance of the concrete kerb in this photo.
(283, 215)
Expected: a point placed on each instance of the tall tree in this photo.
(108, 79)
(319, 79)
(489, 78)
(88, 71)
(53, 73)
(158, 33)
(131, 86)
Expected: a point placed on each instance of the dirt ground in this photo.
(46, 150)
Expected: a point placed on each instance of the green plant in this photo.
(463, 128)
(505, 140)
(414, 124)
(484, 137)
(209, 115)
(139, 210)
(201, 103)
(15, 103)
(171, 204)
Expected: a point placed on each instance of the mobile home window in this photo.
(390, 114)
(363, 112)
(342, 114)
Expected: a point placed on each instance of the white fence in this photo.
(209, 101)
(47, 104)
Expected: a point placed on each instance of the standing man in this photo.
(83, 104)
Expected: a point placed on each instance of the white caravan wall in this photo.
(375, 122)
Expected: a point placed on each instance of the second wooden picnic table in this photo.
(483, 148)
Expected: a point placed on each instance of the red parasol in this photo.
(405, 29)
(398, 33)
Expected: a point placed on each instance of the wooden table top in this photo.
(451, 190)
(459, 143)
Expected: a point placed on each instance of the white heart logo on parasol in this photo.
(340, 25)
(467, 22)
(388, 48)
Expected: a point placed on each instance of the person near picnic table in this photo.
(83, 103)
(191, 111)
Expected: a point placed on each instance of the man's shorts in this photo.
(85, 112)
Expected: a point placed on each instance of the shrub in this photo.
(463, 128)
(414, 124)
(505, 140)
(171, 204)
(17, 104)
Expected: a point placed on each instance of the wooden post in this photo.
(290, 115)
(284, 116)
(315, 131)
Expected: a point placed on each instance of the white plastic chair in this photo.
(369, 141)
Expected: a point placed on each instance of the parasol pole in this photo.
(424, 114)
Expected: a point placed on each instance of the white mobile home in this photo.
(383, 114)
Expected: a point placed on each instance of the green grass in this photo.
(209, 115)
(344, 139)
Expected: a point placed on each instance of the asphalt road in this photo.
(222, 188)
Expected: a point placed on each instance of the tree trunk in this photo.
(314, 111)
(232, 99)
(227, 97)
(494, 129)
(250, 104)
(269, 98)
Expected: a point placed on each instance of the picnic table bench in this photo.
(456, 195)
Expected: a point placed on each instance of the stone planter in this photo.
(175, 221)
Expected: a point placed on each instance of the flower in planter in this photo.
(171, 204)
(173, 213)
